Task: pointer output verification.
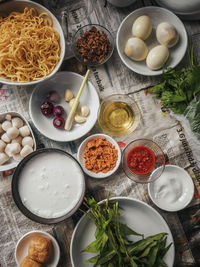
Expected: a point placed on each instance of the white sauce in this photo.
(173, 190)
(51, 184)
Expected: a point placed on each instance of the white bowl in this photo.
(60, 82)
(21, 250)
(13, 163)
(120, 3)
(173, 190)
(157, 15)
(80, 157)
(18, 5)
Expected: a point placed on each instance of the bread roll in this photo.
(40, 249)
(27, 262)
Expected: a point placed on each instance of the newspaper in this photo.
(170, 132)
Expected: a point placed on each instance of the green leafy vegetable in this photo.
(111, 245)
(192, 113)
(179, 87)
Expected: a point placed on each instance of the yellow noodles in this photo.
(29, 46)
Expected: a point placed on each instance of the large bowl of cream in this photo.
(48, 185)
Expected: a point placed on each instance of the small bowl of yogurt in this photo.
(48, 185)
(173, 190)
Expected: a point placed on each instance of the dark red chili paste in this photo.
(141, 160)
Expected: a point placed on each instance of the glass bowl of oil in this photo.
(118, 115)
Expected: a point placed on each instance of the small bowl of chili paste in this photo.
(140, 158)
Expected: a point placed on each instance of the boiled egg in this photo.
(136, 49)
(157, 57)
(142, 27)
(166, 34)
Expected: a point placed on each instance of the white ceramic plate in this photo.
(18, 6)
(184, 8)
(21, 250)
(137, 215)
(173, 190)
(157, 15)
(80, 157)
(60, 82)
(13, 163)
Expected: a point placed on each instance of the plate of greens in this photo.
(121, 231)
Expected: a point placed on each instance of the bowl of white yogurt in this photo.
(48, 186)
(173, 190)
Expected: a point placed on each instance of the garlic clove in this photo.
(8, 117)
(3, 158)
(85, 111)
(68, 95)
(79, 119)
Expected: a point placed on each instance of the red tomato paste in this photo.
(141, 160)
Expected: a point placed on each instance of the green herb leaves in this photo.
(179, 87)
(111, 245)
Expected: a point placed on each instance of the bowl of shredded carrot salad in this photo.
(99, 155)
(32, 43)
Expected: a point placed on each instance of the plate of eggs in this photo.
(16, 140)
(150, 39)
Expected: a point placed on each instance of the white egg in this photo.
(157, 57)
(136, 49)
(142, 27)
(166, 34)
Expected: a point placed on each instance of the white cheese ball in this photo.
(3, 158)
(24, 131)
(166, 34)
(8, 117)
(6, 125)
(5, 138)
(18, 139)
(142, 27)
(17, 157)
(12, 149)
(1, 129)
(27, 140)
(157, 57)
(136, 49)
(2, 146)
(17, 122)
(26, 150)
(12, 132)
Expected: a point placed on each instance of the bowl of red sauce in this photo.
(140, 158)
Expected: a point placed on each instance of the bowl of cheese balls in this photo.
(150, 39)
(16, 140)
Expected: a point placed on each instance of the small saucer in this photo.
(173, 190)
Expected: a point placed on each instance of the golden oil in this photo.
(117, 117)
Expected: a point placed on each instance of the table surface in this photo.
(169, 131)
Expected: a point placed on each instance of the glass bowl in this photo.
(143, 163)
(118, 115)
(80, 33)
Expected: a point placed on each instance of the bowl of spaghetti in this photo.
(32, 43)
